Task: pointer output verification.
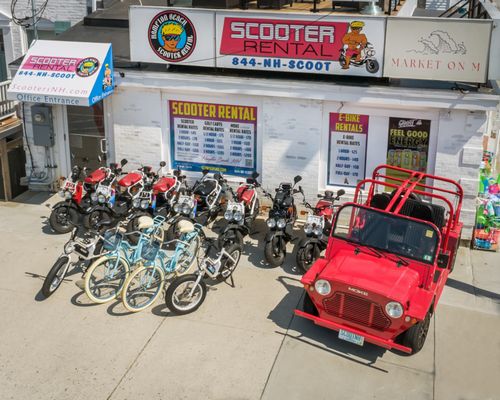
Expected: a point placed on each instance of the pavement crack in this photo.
(135, 359)
(279, 349)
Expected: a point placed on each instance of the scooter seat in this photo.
(130, 179)
(185, 226)
(164, 184)
(95, 177)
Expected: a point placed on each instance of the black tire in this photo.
(229, 238)
(307, 255)
(55, 276)
(133, 226)
(372, 66)
(63, 219)
(274, 253)
(308, 306)
(228, 266)
(454, 259)
(414, 337)
(174, 287)
(92, 219)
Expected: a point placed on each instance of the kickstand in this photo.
(232, 281)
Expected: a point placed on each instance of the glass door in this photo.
(87, 141)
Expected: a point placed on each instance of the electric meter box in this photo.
(43, 128)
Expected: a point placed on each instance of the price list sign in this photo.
(347, 149)
(217, 137)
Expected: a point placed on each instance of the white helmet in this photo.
(185, 226)
(145, 222)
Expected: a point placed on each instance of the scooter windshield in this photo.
(387, 232)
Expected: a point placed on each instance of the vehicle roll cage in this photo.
(407, 186)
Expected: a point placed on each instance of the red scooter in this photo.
(317, 228)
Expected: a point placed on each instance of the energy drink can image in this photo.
(406, 161)
(415, 160)
(390, 157)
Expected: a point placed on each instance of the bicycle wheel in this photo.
(55, 276)
(185, 294)
(105, 278)
(186, 256)
(142, 288)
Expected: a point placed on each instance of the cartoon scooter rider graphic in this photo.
(171, 33)
(354, 41)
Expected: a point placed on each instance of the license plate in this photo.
(68, 185)
(351, 337)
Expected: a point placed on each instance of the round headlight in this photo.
(323, 287)
(318, 231)
(93, 197)
(308, 229)
(68, 195)
(186, 209)
(271, 222)
(228, 215)
(69, 247)
(61, 193)
(177, 208)
(238, 216)
(281, 223)
(394, 309)
(144, 203)
(136, 203)
(101, 198)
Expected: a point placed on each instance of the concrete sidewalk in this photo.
(243, 343)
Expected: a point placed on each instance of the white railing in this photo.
(7, 107)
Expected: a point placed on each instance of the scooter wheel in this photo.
(307, 255)
(274, 253)
(229, 238)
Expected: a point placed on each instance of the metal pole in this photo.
(34, 23)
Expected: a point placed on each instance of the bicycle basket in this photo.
(112, 240)
(149, 251)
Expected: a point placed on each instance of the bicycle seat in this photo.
(185, 226)
(145, 222)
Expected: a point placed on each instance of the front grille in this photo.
(356, 309)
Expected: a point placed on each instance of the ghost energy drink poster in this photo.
(347, 149)
(408, 144)
(217, 137)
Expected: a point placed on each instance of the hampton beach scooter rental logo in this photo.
(172, 36)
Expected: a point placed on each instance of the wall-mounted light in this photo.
(39, 117)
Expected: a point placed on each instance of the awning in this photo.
(57, 72)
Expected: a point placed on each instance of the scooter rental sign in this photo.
(302, 43)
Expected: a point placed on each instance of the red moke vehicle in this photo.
(387, 260)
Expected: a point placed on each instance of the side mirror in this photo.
(204, 172)
(162, 164)
(123, 162)
(177, 173)
(340, 192)
(443, 260)
(297, 179)
(255, 174)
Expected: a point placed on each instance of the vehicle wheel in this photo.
(63, 219)
(308, 305)
(133, 226)
(105, 278)
(372, 66)
(178, 299)
(91, 220)
(228, 266)
(452, 265)
(142, 288)
(229, 238)
(55, 276)
(307, 255)
(274, 252)
(414, 337)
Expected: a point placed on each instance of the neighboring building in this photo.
(282, 123)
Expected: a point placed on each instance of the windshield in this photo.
(387, 232)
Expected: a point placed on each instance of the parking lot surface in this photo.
(243, 343)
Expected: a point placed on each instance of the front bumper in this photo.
(385, 343)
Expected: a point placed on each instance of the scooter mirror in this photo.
(162, 164)
(177, 173)
(340, 192)
(297, 179)
(123, 162)
(204, 172)
(255, 174)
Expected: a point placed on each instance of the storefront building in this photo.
(332, 132)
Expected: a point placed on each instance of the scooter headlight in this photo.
(68, 195)
(177, 208)
(308, 229)
(281, 223)
(101, 198)
(136, 203)
(322, 287)
(228, 215)
(394, 309)
(318, 231)
(144, 204)
(186, 209)
(69, 247)
(238, 216)
(93, 197)
(271, 223)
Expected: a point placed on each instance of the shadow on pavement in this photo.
(471, 289)
(116, 309)
(316, 336)
(77, 300)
